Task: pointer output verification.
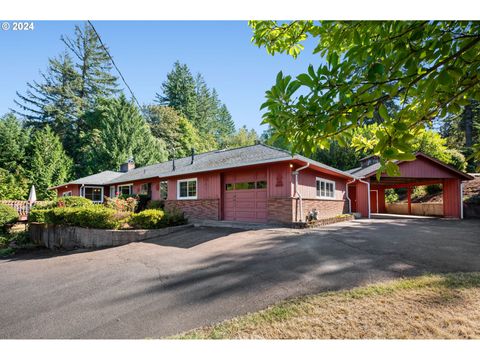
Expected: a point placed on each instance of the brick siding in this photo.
(206, 209)
(325, 208)
(280, 210)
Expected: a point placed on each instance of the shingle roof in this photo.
(101, 178)
(212, 160)
(361, 172)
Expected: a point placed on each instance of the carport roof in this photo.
(372, 169)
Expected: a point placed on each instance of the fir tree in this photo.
(115, 132)
(48, 164)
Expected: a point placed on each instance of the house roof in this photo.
(208, 161)
(217, 160)
(101, 178)
(372, 169)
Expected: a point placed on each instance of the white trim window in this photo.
(94, 193)
(325, 189)
(125, 189)
(67, 193)
(112, 191)
(187, 189)
(163, 190)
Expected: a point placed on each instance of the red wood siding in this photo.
(75, 189)
(362, 198)
(422, 168)
(308, 188)
(451, 198)
(208, 186)
(279, 181)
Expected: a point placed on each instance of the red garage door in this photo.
(245, 196)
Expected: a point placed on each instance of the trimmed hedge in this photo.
(147, 219)
(73, 201)
(96, 217)
(8, 216)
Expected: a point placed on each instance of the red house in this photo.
(255, 183)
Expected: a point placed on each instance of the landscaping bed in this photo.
(444, 306)
(75, 222)
(323, 222)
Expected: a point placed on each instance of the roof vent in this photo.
(127, 166)
(193, 155)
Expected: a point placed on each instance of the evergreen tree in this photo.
(115, 132)
(93, 64)
(56, 100)
(178, 91)
(48, 164)
(13, 143)
(225, 124)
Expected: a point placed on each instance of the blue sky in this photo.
(146, 50)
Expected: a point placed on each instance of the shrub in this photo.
(45, 205)
(391, 196)
(39, 215)
(8, 216)
(93, 216)
(4, 241)
(73, 201)
(148, 219)
(174, 217)
(142, 202)
(156, 204)
(121, 204)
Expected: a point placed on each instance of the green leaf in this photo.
(383, 112)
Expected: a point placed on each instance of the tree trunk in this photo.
(468, 123)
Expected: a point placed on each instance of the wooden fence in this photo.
(22, 206)
(426, 209)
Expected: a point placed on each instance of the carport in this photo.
(367, 194)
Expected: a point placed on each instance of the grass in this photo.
(443, 306)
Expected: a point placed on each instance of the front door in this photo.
(245, 196)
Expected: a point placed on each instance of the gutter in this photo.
(461, 199)
(295, 173)
(368, 195)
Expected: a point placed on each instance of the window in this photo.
(125, 189)
(163, 190)
(146, 189)
(187, 189)
(245, 186)
(229, 187)
(325, 189)
(112, 191)
(94, 193)
(67, 193)
(261, 184)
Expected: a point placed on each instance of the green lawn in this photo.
(430, 306)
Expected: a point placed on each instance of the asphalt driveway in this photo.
(201, 276)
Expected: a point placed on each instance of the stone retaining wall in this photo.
(71, 237)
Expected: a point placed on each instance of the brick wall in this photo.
(325, 208)
(205, 209)
(280, 210)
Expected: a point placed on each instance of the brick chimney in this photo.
(127, 166)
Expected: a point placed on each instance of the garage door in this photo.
(245, 196)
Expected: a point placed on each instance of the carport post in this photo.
(409, 198)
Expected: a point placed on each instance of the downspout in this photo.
(297, 193)
(368, 195)
(348, 198)
(461, 199)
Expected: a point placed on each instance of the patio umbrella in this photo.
(32, 197)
